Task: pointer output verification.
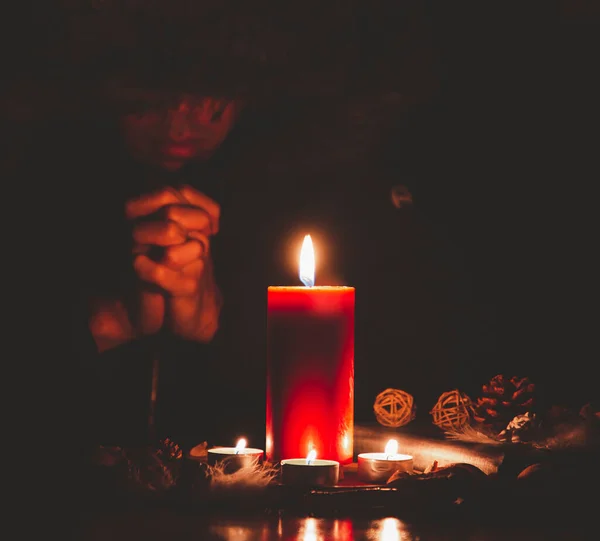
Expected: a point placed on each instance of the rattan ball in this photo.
(452, 410)
(394, 407)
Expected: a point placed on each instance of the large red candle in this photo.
(310, 368)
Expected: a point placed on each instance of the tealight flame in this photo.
(391, 448)
(307, 262)
(241, 445)
(311, 456)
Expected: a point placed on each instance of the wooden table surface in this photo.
(167, 525)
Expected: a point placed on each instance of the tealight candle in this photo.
(310, 471)
(379, 467)
(234, 458)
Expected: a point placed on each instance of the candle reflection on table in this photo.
(390, 529)
(237, 533)
(342, 529)
(309, 530)
(315, 529)
(322, 529)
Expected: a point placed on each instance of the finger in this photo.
(194, 270)
(203, 312)
(200, 322)
(202, 239)
(180, 255)
(159, 233)
(173, 282)
(190, 218)
(201, 200)
(148, 203)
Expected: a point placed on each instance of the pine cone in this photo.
(155, 468)
(502, 399)
(168, 450)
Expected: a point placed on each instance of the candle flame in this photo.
(310, 457)
(307, 262)
(391, 448)
(241, 445)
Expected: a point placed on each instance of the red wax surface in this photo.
(310, 373)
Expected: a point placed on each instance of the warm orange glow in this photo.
(241, 445)
(307, 262)
(345, 442)
(269, 443)
(391, 448)
(311, 456)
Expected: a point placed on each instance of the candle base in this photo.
(321, 473)
(372, 468)
(231, 462)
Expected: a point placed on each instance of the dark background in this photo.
(513, 133)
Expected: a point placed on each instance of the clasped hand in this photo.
(171, 231)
